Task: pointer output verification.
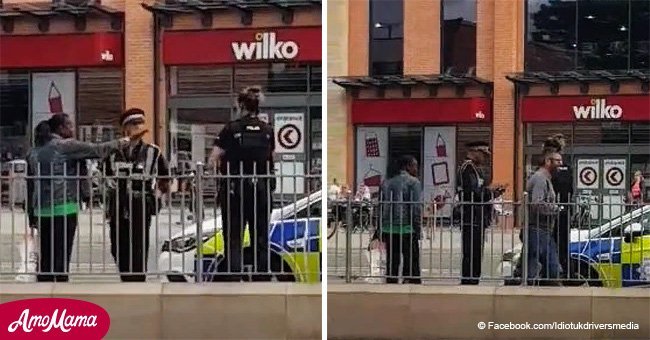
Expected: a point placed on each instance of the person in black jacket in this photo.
(562, 180)
(475, 211)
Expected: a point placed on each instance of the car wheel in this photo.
(176, 278)
(582, 274)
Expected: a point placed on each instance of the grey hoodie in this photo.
(49, 193)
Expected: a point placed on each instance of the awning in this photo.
(584, 78)
(78, 10)
(246, 8)
(405, 82)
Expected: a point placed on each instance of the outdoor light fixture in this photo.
(590, 17)
(623, 29)
(378, 25)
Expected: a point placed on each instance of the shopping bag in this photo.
(376, 255)
(28, 257)
(55, 100)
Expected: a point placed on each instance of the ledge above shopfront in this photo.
(438, 99)
(205, 9)
(585, 79)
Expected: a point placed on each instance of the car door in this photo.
(635, 256)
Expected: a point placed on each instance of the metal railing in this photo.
(581, 242)
(100, 227)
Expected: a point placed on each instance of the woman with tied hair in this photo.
(53, 202)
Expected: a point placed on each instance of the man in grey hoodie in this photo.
(542, 214)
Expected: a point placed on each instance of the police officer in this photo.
(562, 180)
(474, 212)
(132, 198)
(245, 147)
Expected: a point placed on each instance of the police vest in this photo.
(135, 170)
(251, 151)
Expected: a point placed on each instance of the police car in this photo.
(294, 242)
(615, 254)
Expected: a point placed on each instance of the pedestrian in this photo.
(475, 209)
(137, 169)
(400, 224)
(54, 202)
(245, 147)
(562, 180)
(542, 214)
(636, 197)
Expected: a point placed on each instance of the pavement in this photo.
(91, 256)
(440, 255)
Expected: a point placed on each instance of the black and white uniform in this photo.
(132, 203)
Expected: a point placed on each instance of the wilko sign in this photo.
(265, 47)
(598, 110)
(231, 46)
(53, 318)
(630, 108)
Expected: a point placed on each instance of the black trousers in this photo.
(130, 239)
(472, 254)
(56, 238)
(246, 203)
(406, 247)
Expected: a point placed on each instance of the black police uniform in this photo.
(132, 203)
(248, 144)
(474, 216)
(562, 180)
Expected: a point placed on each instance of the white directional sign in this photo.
(614, 174)
(588, 173)
(289, 132)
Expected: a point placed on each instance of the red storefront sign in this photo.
(61, 50)
(228, 46)
(421, 110)
(585, 108)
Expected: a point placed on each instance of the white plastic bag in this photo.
(28, 257)
(376, 256)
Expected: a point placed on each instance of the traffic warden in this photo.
(243, 148)
(133, 199)
(475, 209)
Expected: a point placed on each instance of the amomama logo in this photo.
(53, 318)
(598, 110)
(265, 47)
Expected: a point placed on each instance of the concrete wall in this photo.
(193, 311)
(428, 312)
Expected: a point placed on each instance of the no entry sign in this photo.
(289, 132)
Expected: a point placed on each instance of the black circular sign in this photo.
(614, 176)
(289, 136)
(588, 176)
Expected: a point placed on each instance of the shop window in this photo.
(640, 34)
(14, 115)
(467, 134)
(592, 35)
(640, 133)
(201, 80)
(386, 37)
(537, 133)
(551, 35)
(100, 96)
(315, 78)
(603, 34)
(403, 140)
(276, 77)
(601, 133)
(459, 36)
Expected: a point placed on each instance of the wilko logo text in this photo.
(598, 110)
(53, 318)
(265, 47)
